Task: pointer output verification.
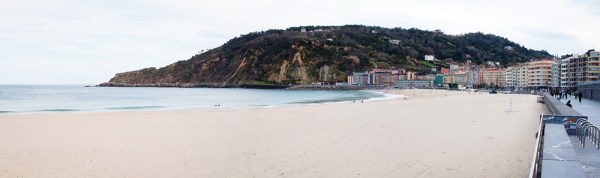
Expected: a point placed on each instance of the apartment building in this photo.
(539, 73)
(555, 75)
(516, 76)
(579, 69)
(563, 73)
(495, 77)
(510, 80)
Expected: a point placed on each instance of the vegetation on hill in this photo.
(328, 53)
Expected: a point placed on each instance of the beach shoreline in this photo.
(69, 99)
(430, 133)
(385, 95)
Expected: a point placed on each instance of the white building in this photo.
(564, 68)
(429, 58)
(522, 77)
(511, 78)
(453, 68)
(555, 75)
(544, 73)
(395, 42)
(470, 79)
(414, 84)
(360, 78)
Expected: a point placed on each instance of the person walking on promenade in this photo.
(580, 95)
(558, 93)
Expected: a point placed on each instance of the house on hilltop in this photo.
(429, 58)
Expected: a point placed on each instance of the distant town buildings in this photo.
(414, 84)
(560, 74)
(376, 77)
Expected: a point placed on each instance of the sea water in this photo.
(15, 99)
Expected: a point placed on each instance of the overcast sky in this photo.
(87, 42)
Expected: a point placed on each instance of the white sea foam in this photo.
(385, 96)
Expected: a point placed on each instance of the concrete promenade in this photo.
(587, 107)
(589, 156)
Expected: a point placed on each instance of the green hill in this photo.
(325, 53)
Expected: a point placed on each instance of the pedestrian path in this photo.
(588, 156)
(587, 107)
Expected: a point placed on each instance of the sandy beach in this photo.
(432, 133)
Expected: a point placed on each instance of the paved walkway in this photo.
(587, 107)
(559, 157)
(589, 156)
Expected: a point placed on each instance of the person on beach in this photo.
(569, 104)
(580, 95)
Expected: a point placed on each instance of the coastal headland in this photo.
(428, 133)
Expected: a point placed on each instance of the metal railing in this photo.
(594, 135)
(581, 125)
(535, 161)
(586, 129)
(561, 114)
